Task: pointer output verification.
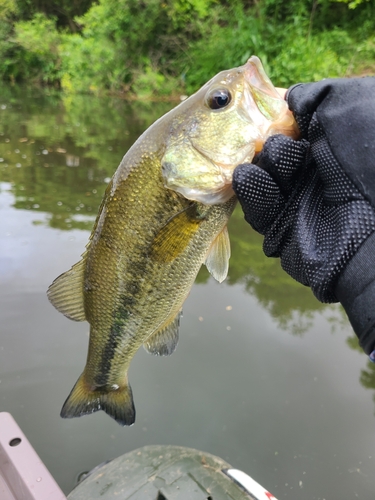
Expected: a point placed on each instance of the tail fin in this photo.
(118, 403)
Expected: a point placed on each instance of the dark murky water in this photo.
(264, 376)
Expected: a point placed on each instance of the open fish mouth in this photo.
(273, 114)
(263, 92)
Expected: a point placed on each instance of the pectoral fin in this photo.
(217, 261)
(174, 237)
(164, 341)
(66, 292)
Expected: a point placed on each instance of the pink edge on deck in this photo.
(23, 476)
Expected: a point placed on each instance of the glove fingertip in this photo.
(279, 147)
(241, 176)
(250, 180)
(258, 195)
(245, 176)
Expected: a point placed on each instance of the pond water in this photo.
(264, 376)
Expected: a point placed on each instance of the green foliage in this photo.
(41, 48)
(9, 54)
(293, 42)
(30, 40)
(329, 54)
(64, 11)
(127, 45)
(158, 48)
(352, 4)
(225, 44)
(8, 9)
(90, 66)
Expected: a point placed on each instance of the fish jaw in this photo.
(275, 116)
(213, 177)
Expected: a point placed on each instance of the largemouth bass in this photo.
(163, 215)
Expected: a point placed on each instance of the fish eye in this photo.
(218, 98)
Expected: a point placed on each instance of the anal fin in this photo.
(164, 341)
(217, 260)
(66, 292)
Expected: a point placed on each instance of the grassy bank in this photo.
(162, 49)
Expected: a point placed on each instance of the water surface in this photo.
(264, 376)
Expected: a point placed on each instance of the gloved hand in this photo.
(314, 199)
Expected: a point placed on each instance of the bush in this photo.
(40, 42)
(156, 48)
(132, 46)
(299, 48)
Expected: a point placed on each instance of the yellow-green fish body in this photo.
(164, 213)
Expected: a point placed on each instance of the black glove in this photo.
(314, 199)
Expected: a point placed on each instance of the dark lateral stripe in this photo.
(120, 317)
(117, 331)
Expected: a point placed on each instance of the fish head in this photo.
(222, 125)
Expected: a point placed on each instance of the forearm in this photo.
(355, 290)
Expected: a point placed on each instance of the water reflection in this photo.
(367, 377)
(56, 156)
(59, 152)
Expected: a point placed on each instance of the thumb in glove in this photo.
(266, 187)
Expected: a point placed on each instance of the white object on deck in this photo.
(23, 476)
(254, 488)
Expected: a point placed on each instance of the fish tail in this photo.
(117, 403)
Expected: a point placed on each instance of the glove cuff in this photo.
(355, 290)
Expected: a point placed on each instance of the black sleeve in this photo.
(345, 110)
(355, 290)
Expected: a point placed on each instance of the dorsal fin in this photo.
(66, 292)
(164, 341)
(217, 260)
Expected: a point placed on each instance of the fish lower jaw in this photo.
(207, 196)
(216, 194)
